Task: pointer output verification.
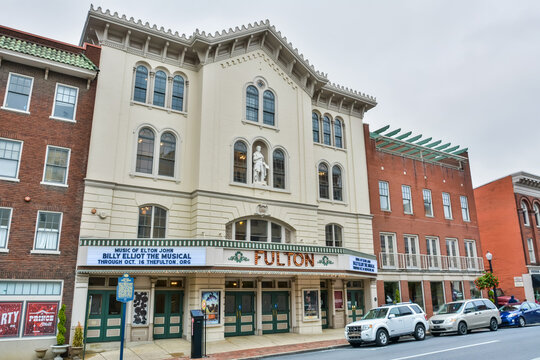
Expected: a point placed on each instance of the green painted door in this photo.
(239, 313)
(324, 309)
(168, 314)
(275, 312)
(355, 304)
(105, 316)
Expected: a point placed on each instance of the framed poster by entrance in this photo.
(10, 319)
(338, 300)
(211, 301)
(311, 304)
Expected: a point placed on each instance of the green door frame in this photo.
(276, 312)
(356, 309)
(324, 309)
(240, 314)
(168, 315)
(104, 316)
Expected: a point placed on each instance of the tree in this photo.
(60, 337)
(397, 297)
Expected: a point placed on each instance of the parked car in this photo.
(520, 314)
(465, 315)
(503, 299)
(387, 323)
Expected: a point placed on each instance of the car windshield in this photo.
(378, 313)
(450, 308)
(509, 308)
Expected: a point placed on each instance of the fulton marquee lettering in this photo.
(278, 258)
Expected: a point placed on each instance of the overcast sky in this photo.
(464, 71)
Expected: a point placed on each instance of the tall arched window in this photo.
(167, 153)
(333, 235)
(279, 169)
(338, 134)
(327, 132)
(141, 84)
(323, 181)
(145, 151)
(269, 108)
(537, 214)
(337, 187)
(178, 93)
(315, 121)
(152, 222)
(160, 84)
(525, 211)
(252, 103)
(240, 162)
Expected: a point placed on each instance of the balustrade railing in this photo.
(401, 261)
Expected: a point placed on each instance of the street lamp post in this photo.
(489, 256)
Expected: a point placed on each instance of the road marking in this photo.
(445, 350)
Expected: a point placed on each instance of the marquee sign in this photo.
(363, 264)
(145, 256)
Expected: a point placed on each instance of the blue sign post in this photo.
(124, 293)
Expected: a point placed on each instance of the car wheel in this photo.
(493, 326)
(521, 322)
(419, 332)
(435, 334)
(381, 339)
(462, 328)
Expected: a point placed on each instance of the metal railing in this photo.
(401, 261)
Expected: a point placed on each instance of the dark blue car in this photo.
(520, 314)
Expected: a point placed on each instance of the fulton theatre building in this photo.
(225, 172)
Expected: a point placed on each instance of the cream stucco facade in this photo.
(205, 202)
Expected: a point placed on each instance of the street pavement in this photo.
(506, 343)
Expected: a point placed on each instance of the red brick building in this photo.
(509, 218)
(425, 229)
(47, 91)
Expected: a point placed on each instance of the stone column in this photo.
(151, 309)
(259, 328)
(293, 297)
(80, 301)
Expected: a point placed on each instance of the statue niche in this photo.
(260, 167)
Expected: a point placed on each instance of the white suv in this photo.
(388, 323)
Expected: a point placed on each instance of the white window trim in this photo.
(5, 249)
(74, 120)
(16, 178)
(394, 253)
(155, 163)
(43, 251)
(153, 206)
(416, 254)
(536, 209)
(449, 206)
(65, 184)
(530, 250)
(331, 199)
(438, 255)
(461, 197)
(268, 231)
(456, 255)
(379, 193)
(4, 107)
(410, 199)
(260, 123)
(334, 225)
(332, 131)
(430, 202)
(525, 211)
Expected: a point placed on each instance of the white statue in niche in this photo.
(259, 167)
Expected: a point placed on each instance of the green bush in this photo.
(397, 297)
(486, 281)
(61, 337)
(78, 336)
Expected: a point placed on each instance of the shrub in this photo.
(397, 297)
(78, 336)
(486, 281)
(61, 338)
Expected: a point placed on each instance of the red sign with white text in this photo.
(10, 318)
(40, 318)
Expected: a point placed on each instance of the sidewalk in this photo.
(239, 347)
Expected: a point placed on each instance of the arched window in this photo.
(145, 151)
(240, 162)
(160, 84)
(333, 235)
(337, 187)
(525, 211)
(141, 84)
(178, 93)
(252, 103)
(338, 134)
(167, 153)
(279, 169)
(323, 181)
(327, 132)
(537, 214)
(315, 121)
(152, 222)
(259, 230)
(269, 108)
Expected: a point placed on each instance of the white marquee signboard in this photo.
(145, 256)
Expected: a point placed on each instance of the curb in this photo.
(294, 352)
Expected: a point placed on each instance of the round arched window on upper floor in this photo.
(338, 133)
(279, 169)
(167, 154)
(152, 222)
(240, 162)
(145, 151)
(178, 93)
(323, 181)
(525, 211)
(537, 214)
(316, 127)
(327, 131)
(160, 86)
(333, 235)
(337, 183)
(141, 84)
(252, 103)
(269, 108)
(259, 230)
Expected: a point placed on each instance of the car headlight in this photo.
(451, 320)
(513, 315)
(366, 327)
